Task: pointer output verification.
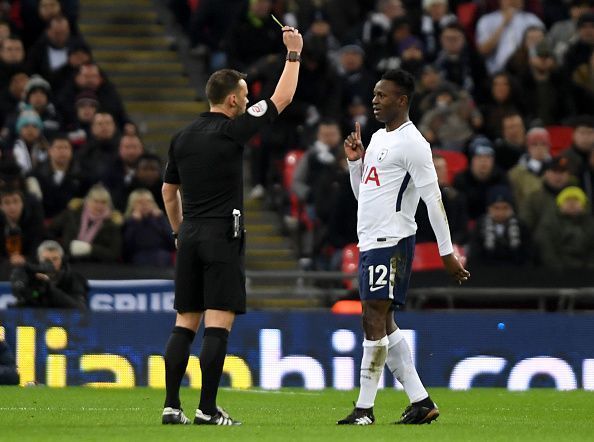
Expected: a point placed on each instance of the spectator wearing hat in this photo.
(499, 33)
(563, 32)
(458, 62)
(90, 77)
(581, 148)
(79, 131)
(30, 148)
(59, 177)
(555, 178)
(512, 144)
(50, 52)
(12, 56)
(436, 16)
(565, 237)
(451, 122)
(479, 177)
(525, 177)
(499, 237)
(548, 99)
(38, 97)
(580, 50)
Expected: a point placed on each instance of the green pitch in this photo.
(84, 414)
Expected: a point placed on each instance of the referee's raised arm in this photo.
(287, 83)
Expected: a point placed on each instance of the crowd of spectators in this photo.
(71, 161)
(492, 77)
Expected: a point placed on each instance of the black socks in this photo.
(212, 358)
(177, 354)
(427, 403)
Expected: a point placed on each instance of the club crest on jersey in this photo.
(382, 155)
(258, 109)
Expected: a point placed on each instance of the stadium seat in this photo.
(561, 138)
(467, 15)
(456, 161)
(427, 257)
(350, 262)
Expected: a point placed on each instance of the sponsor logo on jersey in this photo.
(258, 109)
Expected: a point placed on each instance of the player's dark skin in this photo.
(390, 106)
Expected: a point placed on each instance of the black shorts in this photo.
(210, 268)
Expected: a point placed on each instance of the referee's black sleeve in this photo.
(256, 116)
(171, 174)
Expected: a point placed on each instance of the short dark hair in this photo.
(59, 136)
(403, 79)
(454, 26)
(222, 83)
(149, 156)
(9, 191)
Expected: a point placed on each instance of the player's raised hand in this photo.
(455, 268)
(353, 146)
(292, 39)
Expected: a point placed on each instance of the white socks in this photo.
(401, 365)
(372, 366)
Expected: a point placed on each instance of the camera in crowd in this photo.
(26, 286)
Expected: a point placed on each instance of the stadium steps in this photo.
(133, 48)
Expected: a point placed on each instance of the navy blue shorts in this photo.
(385, 273)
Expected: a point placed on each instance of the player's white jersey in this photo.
(394, 165)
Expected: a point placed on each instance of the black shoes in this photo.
(221, 417)
(359, 416)
(418, 414)
(174, 416)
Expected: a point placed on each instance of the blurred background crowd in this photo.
(505, 96)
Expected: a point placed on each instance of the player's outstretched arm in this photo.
(287, 83)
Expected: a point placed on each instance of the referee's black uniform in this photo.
(206, 161)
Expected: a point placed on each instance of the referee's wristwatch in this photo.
(293, 56)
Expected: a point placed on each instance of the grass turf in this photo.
(84, 414)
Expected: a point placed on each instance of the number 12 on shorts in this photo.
(378, 278)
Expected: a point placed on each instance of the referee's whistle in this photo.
(236, 223)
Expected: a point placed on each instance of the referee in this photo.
(203, 195)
